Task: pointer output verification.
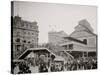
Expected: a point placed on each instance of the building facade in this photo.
(25, 35)
(82, 42)
(56, 37)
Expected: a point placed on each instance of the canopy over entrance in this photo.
(35, 50)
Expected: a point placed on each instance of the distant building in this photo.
(25, 35)
(82, 42)
(56, 37)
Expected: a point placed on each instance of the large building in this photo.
(56, 37)
(82, 42)
(25, 35)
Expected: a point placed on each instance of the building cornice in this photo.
(26, 29)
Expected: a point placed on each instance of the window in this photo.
(18, 47)
(31, 26)
(24, 41)
(28, 33)
(22, 25)
(85, 41)
(70, 46)
(32, 33)
(26, 25)
(37, 38)
(18, 33)
(24, 32)
(29, 42)
(65, 47)
(17, 40)
(31, 45)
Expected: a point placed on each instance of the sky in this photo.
(55, 17)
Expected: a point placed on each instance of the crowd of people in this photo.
(24, 68)
(81, 64)
(76, 64)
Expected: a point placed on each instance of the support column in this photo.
(83, 54)
(87, 54)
